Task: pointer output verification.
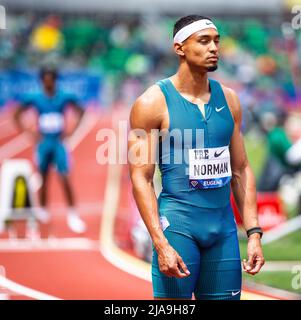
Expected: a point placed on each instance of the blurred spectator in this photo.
(280, 159)
(254, 52)
(47, 36)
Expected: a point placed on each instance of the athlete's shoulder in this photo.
(39, 96)
(31, 98)
(147, 110)
(64, 94)
(233, 101)
(150, 97)
(68, 97)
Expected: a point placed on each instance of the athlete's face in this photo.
(201, 49)
(48, 81)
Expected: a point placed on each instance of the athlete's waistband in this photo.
(202, 203)
(51, 135)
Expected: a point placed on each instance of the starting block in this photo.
(17, 199)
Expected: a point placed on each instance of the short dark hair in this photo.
(48, 70)
(185, 21)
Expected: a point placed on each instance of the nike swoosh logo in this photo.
(208, 23)
(235, 293)
(216, 154)
(219, 109)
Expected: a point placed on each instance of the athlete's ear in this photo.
(178, 47)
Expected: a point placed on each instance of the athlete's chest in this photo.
(50, 104)
(215, 124)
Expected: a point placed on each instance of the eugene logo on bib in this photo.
(209, 167)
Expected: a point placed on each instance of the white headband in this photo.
(187, 31)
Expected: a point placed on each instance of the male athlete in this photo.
(192, 226)
(50, 105)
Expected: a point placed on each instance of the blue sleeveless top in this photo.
(213, 130)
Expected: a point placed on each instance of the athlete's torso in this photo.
(209, 134)
(50, 111)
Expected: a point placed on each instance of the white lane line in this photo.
(7, 128)
(108, 248)
(51, 244)
(5, 122)
(59, 208)
(282, 230)
(7, 133)
(24, 291)
(23, 141)
(271, 266)
(87, 124)
(15, 146)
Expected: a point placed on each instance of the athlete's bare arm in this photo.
(149, 112)
(20, 109)
(17, 117)
(79, 116)
(243, 185)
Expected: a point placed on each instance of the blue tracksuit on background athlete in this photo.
(50, 149)
(194, 205)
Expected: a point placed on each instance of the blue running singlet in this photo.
(51, 149)
(194, 205)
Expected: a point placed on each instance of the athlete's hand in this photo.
(65, 136)
(255, 255)
(171, 264)
(34, 135)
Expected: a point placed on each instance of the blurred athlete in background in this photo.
(50, 105)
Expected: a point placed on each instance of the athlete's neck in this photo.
(192, 83)
(50, 92)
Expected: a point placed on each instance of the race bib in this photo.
(51, 122)
(209, 167)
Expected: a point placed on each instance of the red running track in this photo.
(65, 273)
(76, 269)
